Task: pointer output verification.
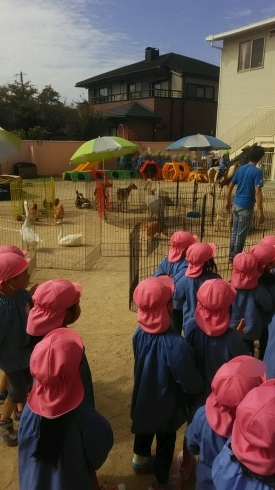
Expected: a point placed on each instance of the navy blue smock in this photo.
(174, 270)
(213, 352)
(88, 440)
(164, 373)
(269, 357)
(228, 475)
(186, 292)
(256, 306)
(203, 441)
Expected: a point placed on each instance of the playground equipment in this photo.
(174, 171)
(150, 170)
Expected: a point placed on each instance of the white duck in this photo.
(28, 234)
(69, 240)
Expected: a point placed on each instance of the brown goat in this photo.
(123, 195)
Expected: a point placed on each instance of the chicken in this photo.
(33, 213)
(81, 201)
(58, 212)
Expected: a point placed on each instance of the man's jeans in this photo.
(242, 219)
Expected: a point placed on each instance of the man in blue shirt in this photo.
(249, 181)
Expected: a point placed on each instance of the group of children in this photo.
(193, 362)
(208, 376)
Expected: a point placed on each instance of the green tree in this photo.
(30, 114)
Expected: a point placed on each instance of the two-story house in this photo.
(160, 98)
(246, 101)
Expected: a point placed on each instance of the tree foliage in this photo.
(34, 115)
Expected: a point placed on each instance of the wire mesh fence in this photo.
(210, 222)
(130, 218)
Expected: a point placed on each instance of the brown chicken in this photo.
(58, 212)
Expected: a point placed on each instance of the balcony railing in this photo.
(141, 94)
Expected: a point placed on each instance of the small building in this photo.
(161, 98)
(246, 102)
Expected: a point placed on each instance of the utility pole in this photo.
(21, 78)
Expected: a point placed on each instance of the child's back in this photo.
(247, 461)
(212, 424)
(164, 373)
(253, 302)
(214, 343)
(201, 267)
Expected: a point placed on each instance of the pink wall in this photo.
(52, 158)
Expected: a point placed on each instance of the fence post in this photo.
(213, 204)
(203, 216)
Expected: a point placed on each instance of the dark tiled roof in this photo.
(171, 61)
(133, 110)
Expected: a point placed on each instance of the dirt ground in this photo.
(106, 327)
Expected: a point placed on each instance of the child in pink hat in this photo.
(201, 267)
(265, 254)
(57, 305)
(213, 341)
(213, 423)
(15, 304)
(253, 302)
(247, 461)
(164, 373)
(209, 335)
(63, 440)
(175, 266)
(22, 253)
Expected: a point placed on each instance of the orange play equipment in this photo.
(200, 176)
(174, 171)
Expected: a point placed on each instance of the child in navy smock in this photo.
(253, 301)
(265, 252)
(175, 266)
(213, 423)
(164, 377)
(63, 440)
(56, 305)
(247, 461)
(201, 267)
(15, 304)
(209, 333)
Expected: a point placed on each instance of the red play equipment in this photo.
(150, 170)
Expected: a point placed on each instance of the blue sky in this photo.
(61, 42)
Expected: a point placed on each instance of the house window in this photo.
(103, 92)
(194, 91)
(251, 54)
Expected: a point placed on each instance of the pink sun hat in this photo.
(268, 240)
(179, 242)
(245, 272)
(230, 385)
(11, 265)
(264, 253)
(51, 300)
(12, 249)
(151, 297)
(253, 435)
(55, 366)
(196, 255)
(212, 310)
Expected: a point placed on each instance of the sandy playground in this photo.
(106, 327)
